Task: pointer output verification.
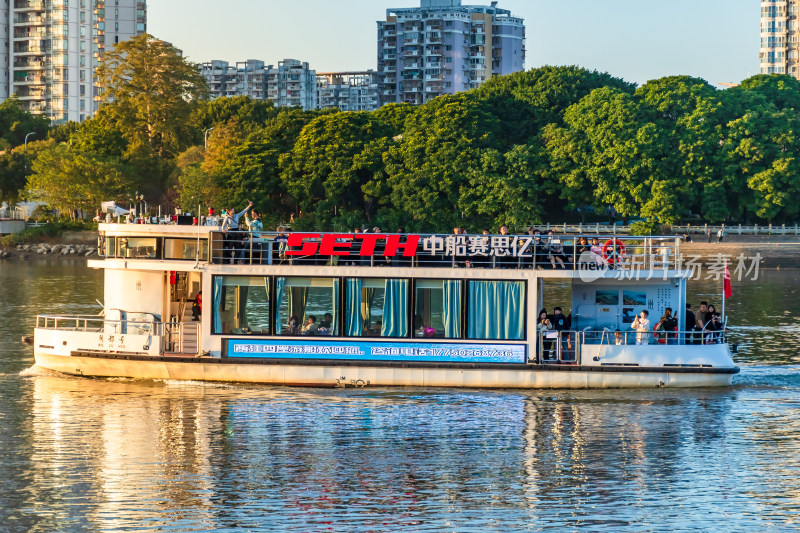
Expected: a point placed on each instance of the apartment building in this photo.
(348, 91)
(443, 47)
(291, 84)
(52, 48)
(780, 46)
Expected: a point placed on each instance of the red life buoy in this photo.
(657, 332)
(613, 251)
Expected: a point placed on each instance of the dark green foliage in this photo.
(546, 145)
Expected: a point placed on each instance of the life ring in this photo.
(665, 333)
(613, 251)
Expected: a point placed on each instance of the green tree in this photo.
(16, 124)
(322, 175)
(243, 109)
(442, 147)
(12, 175)
(70, 180)
(150, 92)
(528, 101)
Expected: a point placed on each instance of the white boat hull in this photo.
(364, 375)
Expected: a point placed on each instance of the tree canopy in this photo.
(551, 144)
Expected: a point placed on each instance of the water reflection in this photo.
(177, 456)
(114, 455)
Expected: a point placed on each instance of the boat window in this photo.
(241, 305)
(376, 307)
(496, 310)
(437, 308)
(137, 247)
(185, 249)
(109, 246)
(307, 306)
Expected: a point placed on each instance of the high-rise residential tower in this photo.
(443, 47)
(53, 48)
(780, 42)
(291, 84)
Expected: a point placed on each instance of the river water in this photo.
(82, 454)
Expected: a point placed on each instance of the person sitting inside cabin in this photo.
(327, 320)
(618, 340)
(642, 326)
(310, 327)
(292, 326)
(197, 307)
(326, 324)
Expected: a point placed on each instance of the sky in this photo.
(637, 40)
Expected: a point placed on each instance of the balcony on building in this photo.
(30, 19)
(31, 5)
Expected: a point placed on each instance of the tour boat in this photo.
(381, 310)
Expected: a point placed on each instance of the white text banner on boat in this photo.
(376, 351)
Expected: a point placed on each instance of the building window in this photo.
(116, 26)
(140, 26)
(83, 31)
(83, 104)
(83, 61)
(82, 75)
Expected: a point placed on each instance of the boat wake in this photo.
(36, 370)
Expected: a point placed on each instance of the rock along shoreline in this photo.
(46, 250)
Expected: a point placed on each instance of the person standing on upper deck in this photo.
(256, 227)
(230, 220)
(642, 326)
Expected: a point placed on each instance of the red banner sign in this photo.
(341, 244)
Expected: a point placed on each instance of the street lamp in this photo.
(205, 139)
(26, 151)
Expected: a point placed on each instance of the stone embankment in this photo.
(775, 251)
(43, 250)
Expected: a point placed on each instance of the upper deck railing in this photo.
(567, 252)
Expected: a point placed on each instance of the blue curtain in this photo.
(336, 306)
(217, 304)
(496, 310)
(352, 319)
(395, 308)
(452, 309)
(279, 283)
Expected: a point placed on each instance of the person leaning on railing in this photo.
(255, 227)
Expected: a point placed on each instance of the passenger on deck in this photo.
(555, 251)
(230, 225)
(597, 251)
(561, 324)
(543, 327)
(642, 326)
(255, 227)
(618, 340)
(702, 316)
(689, 324)
(668, 324)
(310, 327)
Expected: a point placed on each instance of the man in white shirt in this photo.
(642, 326)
